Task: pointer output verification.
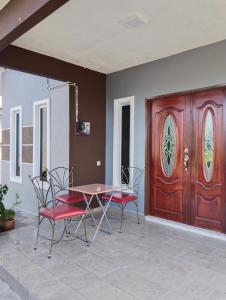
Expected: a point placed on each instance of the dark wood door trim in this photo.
(17, 17)
(186, 92)
(224, 161)
(148, 150)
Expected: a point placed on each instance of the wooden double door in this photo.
(187, 155)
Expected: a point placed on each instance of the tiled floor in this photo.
(147, 261)
(6, 293)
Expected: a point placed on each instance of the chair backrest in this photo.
(131, 178)
(43, 191)
(62, 178)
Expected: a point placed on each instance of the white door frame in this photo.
(36, 135)
(117, 136)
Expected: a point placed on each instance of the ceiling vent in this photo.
(133, 21)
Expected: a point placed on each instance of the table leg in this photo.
(105, 216)
(104, 210)
(88, 203)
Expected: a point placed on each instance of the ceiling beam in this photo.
(17, 17)
(23, 60)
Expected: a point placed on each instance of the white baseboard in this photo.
(188, 228)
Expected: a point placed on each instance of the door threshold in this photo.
(188, 228)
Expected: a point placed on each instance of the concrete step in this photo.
(6, 292)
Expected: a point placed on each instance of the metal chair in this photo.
(131, 178)
(62, 179)
(48, 209)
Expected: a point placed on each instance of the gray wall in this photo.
(0, 82)
(198, 68)
(23, 89)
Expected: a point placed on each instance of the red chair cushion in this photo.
(120, 197)
(61, 212)
(70, 198)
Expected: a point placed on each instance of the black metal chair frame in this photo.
(62, 179)
(45, 194)
(131, 177)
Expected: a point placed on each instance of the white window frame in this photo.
(13, 112)
(36, 135)
(117, 136)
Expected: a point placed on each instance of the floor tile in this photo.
(146, 261)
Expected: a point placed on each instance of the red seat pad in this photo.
(120, 197)
(61, 212)
(70, 198)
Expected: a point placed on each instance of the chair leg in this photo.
(84, 224)
(138, 219)
(36, 242)
(66, 224)
(122, 214)
(53, 231)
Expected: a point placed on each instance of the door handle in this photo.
(186, 159)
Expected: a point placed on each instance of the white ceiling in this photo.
(3, 3)
(90, 33)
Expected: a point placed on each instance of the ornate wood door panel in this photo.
(170, 137)
(207, 171)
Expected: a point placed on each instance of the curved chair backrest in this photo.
(131, 178)
(62, 178)
(43, 191)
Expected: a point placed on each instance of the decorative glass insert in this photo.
(169, 145)
(208, 146)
